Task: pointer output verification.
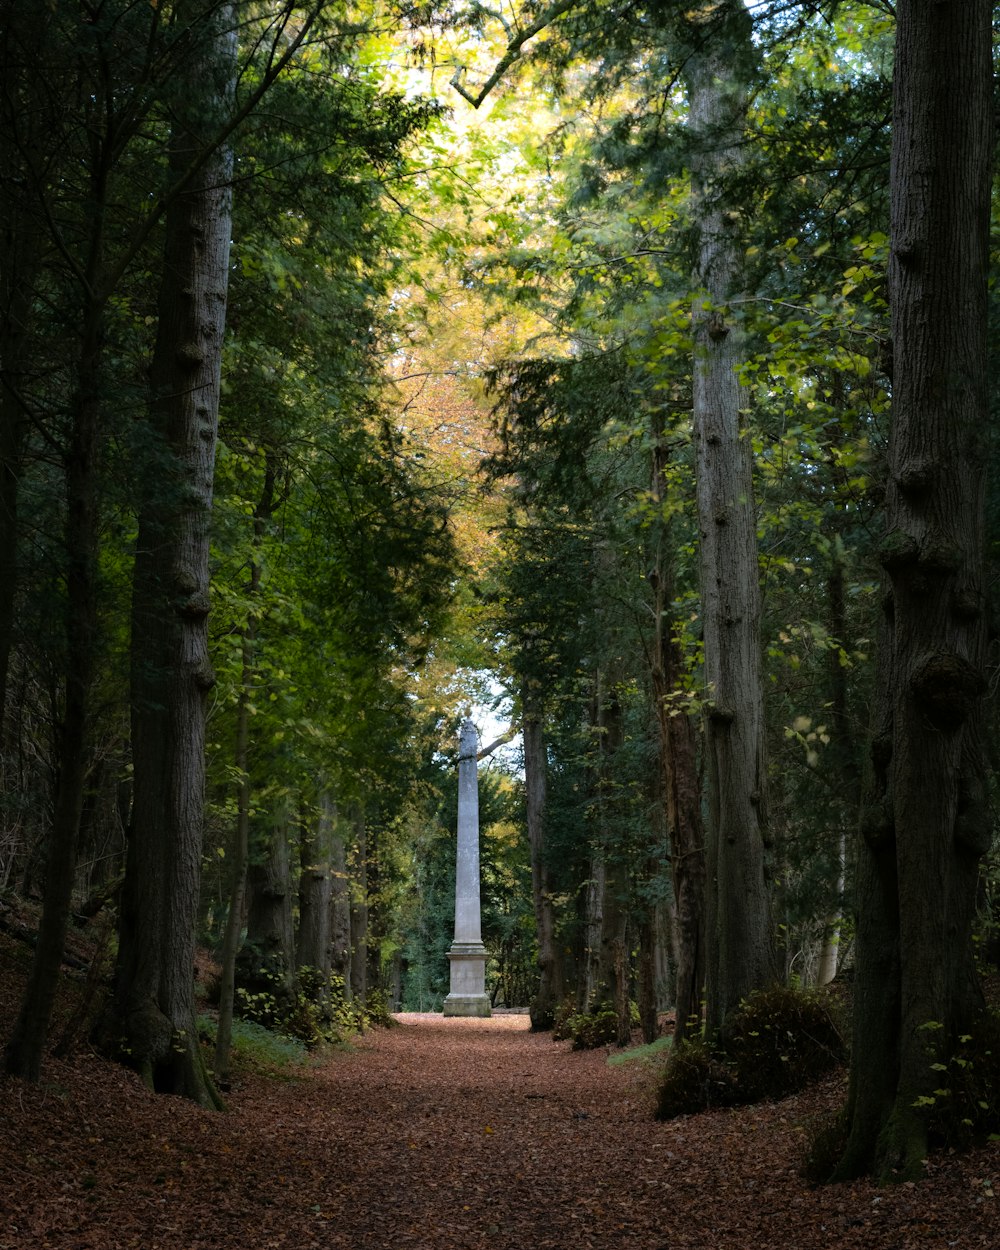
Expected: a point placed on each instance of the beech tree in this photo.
(926, 822)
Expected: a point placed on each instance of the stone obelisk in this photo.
(468, 954)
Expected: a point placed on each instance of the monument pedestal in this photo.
(468, 954)
(468, 995)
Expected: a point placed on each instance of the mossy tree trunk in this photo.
(926, 822)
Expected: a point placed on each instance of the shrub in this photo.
(696, 1079)
(826, 1149)
(966, 1104)
(592, 1029)
(561, 1018)
(777, 1042)
(319, 1012)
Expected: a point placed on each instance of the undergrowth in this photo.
(778, 1041)
(257, 1049)
(651, 1052)
(589, 1029)
(317, 1012)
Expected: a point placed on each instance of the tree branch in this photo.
(515, 42)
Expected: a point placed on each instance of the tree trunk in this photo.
(927, 821)
(240, 848)
(17, 271)
(550, 985)
(359, 909)
(240, 859)
(679, 770)
(267, 962)
(613, 975)
(340, 903)
(312, 949)
(589, 980)
(27, 1043)
(81, 474)
(844, 760)
(171, 672)
(740, 934)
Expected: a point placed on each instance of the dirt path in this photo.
(457, 1134)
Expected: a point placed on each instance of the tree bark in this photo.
(679, 770)
(359, 908)
(27, 1043)
(927, 822)
(590, 977)
(741, 954)
(844, 760)
(550, 985)
(312, 947)
(232, 939)
(267, 962)
(340, 904)
(240, 848)
(171, 672)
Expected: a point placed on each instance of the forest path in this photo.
(446, 1135)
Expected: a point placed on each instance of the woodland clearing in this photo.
(458, 1133)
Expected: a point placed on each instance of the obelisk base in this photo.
(468, 995)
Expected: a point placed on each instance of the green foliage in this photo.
(965, 1103)
(561, 1017)
(319, 1012)
(256, 1048)
(777, 1042)
(696, 1079)
(590, 1029)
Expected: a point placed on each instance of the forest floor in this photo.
(444, 1135)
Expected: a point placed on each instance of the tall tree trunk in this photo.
(239, 860)
(312, 947)
(590, 975)
(171, 672)
(612, 988)
(267, 962)
(340, 901)
(240, 848)
(81, 474)
(27, 1043)
(927, 821)
(550, 985)
(679, 769)
(17, 271)
(359, 907)
(740, 933)
(844, 758)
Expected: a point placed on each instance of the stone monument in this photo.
(468, 954)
